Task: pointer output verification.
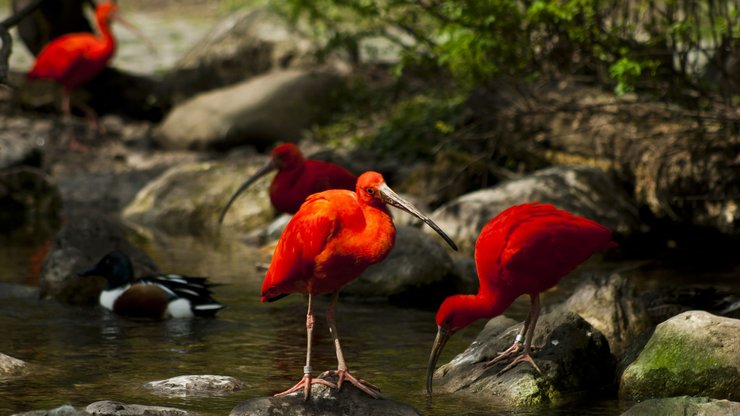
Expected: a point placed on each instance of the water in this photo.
(80, 354)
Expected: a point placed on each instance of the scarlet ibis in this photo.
(297, 178)
(74, 59)
(527, 248)
(157, 296)
(332, 239)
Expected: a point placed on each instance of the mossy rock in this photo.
(684, 405)
(694, 353)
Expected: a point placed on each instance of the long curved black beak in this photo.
(392, 198)
(92, 271)
(439, 343)
(264, 170)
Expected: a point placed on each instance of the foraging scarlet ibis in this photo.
(526, 249)
(333, 238)
(74, 59)
(297, 178)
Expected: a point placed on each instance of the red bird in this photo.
(297, 178)
(525, 249)
(333, 238)
(76, 58)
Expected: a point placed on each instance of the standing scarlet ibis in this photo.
(527, 248)
(74, 59)
(297, 178)
(333, 238)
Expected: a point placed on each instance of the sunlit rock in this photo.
(196, 385)
(574, 358)
(188, 199)
(111, 408)
(16, 150)
(684, 405)
(11, 366)
(418, 271)
(694, 353)
(81, 243)
(584, 191)
(324, 401)
(611, 305)
(245, 43)
(273, 107)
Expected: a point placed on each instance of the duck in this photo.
(160, 296)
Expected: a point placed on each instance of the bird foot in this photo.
(76, 146)
(367, 387)
(509, 352)
(305, 384)
(522, 358)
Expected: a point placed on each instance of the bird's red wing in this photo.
(534, 245)
(61, 56)
(548, 245)
(302, 241)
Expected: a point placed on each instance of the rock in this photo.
(323, 402)
(612, 306)
(243, 44)
(27, 196)
(10, 366)
(684, 405)
(18, 151)
(188, 199)
(196, 385)
(575, 363)
(104, 191)
(260, 111)
(111, 408)
(65, 410)
(584, 191)
(81, 243)
(418, 271)
(694, 353)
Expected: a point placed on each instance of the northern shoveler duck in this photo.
(157, 296)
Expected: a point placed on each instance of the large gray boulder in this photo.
(684, 405)
(694, 353)
(245, 43)
(189, 198)
(612, 306)
(80, 244)
(417, 271)
(324, 401)
(584, 191)
(260, 111)
(574, 359)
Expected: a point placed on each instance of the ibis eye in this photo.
(370, 191)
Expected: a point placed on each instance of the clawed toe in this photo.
(522, 358)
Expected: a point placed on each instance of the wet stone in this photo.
(112, 408)
(574, 358)
(324, 401)
(196, 385)
(10, 366)
(684, 405)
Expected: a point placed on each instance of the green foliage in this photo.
(636, 42)
(416, 127)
